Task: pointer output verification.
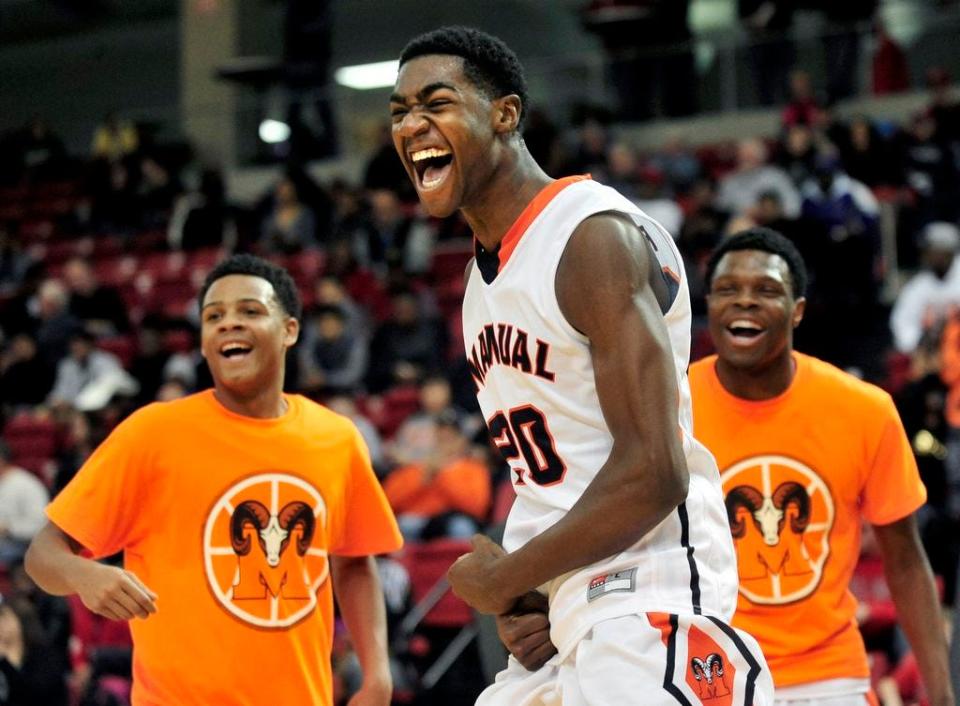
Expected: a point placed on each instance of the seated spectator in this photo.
(22, 501)
(14, 260)
(930, 170)
(330, 291)
(42, 153)
(753, 176)
(291, 225)
(88, 377)
(200, 216)
(52, 613)
(446, 494)
(81, 438)
(157, 189)
(391, 237)
(944, 107)
(623, 169)
(652, 198)
(677, 163)
(803, 107)
(114, 139)
(149, 364)
(30, 674)
(332, 357)
(417, 436)
(25, 378)
(99, 307)
(54, 324)
(99, 649)
(866, 156)
(930, 295)
(797, 153)
(406, 345)
(846, 206)
(116, 203)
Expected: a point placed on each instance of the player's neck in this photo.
(760, 384)
(269, 404)
(503, 200)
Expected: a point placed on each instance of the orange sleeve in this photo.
(104, 506)
(369, 526)
(466, 484)
(950, 352)
(893, 488)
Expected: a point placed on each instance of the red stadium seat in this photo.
(435, 604)
(305, 267)
(398, 404)
(124, 347)
(178, 341)
(503, 497)
(30, 438)
(450, 259)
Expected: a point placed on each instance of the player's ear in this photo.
(291, 332)
(799, 307)
(506, 114)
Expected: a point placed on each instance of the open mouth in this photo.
(235, 350)
(432, 166)
(744, 331)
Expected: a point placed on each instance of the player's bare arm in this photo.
(356, 585)
(53, 561)
(918, 608)
(605, 287)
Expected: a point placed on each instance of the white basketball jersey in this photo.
(535, 384)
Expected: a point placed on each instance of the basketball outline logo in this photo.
(296, 541)
(808, 530)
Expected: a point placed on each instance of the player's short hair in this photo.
(765, 240)
(283, 284)
(488, 62)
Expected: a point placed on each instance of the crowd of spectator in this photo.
(100, 258)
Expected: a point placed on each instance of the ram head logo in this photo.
(710, 676)
(769, 512)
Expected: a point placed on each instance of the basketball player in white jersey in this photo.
(577, 323)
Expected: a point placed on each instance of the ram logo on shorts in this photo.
(710, 678)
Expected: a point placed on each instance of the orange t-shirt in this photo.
(798, 472)
(230, 520)
(463, 485)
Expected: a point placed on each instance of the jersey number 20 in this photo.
(523, 432)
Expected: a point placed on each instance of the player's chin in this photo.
(436, 206)
(235, 380)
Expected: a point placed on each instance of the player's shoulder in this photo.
(842, 388)
(323, 419)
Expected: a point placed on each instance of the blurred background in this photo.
(142, 141)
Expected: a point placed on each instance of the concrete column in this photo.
(209, 31)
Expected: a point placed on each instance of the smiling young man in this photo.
(240, 511)
(577, 328)
(806, 453)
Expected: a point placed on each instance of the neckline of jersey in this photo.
(292, 411)
(529, 214)
(756, 405)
